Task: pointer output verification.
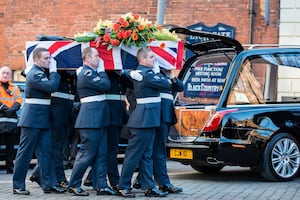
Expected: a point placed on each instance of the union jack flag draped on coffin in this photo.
(68, 54)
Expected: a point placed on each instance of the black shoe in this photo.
(115, 188)
(21, 192)
(63, 184)
(70, 166)
(126, 194)
(154, 192)
(170, 189)
(33, 178)
(137, 184)
(78, 191)
(106, 191)
(88, 182)
(54, 189)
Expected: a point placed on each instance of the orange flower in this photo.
(159, 27)
(141, 27)
(149, 25)
(150, 39)
(162, 45)
(135, 36)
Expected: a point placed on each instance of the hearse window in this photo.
(267, 79)
(204, 82)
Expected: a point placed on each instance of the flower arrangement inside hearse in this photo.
(129, 30)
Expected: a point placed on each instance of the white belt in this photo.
(148, 100)
(166, 96)
(63, 95)
(38, 101)
(6, 119)
(115, 97)
(95, 98)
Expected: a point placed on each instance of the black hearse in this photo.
(239, 108)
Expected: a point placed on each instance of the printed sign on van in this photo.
(206, 80)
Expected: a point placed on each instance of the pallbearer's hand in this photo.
(100, 67)
(135, 75)
(53, 67)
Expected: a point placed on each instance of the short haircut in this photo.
(87, 52)
(37, 52)
(142, 53)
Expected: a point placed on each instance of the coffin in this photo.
(68, 54)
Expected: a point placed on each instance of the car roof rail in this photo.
(257, 46)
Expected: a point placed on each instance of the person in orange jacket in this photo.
(10, 103)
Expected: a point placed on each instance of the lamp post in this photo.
(160, 11)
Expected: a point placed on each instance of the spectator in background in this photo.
(10, 103)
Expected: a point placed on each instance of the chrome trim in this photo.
(187, 145)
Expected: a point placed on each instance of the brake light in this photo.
(216, 119)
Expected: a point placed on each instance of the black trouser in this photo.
(9, 140)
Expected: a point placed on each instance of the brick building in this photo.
(23, 20)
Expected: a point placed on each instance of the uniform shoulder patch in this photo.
(96, 78)
(88, 72)
(39, 73)
(44, 79)
(156, 77)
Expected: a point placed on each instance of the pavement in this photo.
(232, 183)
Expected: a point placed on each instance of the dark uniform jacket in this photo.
(62, 100)
(167, 106)
(94, 114)
(116, 97)
(147, 115)
(38, 86)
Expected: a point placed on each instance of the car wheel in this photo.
(281, 158)
(207, 169)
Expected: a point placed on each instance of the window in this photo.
(267, 79)
(204, 80)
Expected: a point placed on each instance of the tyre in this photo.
(207, 169)
(281, 158)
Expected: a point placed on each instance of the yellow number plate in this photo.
(181, 153)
